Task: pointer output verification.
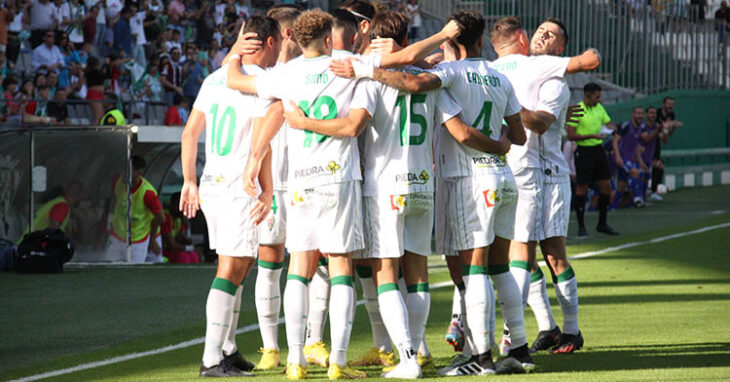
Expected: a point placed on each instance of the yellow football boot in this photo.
(270, 359)
(295, 371)
(317, 354)
(337, 372)
(375, 356)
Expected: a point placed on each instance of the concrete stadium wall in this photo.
(705, 113)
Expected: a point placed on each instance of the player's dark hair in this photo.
(362, 9)
(263, 26)
(138, 163)
(344, 19)
(389, 24)
(591, 87)
(650, 108)
(505, 28)
(667, 98)
(285, 12)
(559, 23)
(473, 24)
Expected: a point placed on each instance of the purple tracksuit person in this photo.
(628, 157)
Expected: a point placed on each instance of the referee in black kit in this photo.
(591, 164)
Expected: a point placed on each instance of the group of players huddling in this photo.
(377, 144)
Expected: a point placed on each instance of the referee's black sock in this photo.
(603, 200)
(580, 209)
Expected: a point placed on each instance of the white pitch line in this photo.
(253, 327)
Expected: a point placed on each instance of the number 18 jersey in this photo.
(486, 97)
(315, 159)
(229, 117)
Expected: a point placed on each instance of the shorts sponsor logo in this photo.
(488, 161)
(213, 179)
(397, 202)
(491, 197)
(296, 198)
(413, 178)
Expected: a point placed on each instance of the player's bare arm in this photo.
(617, 154)
(238, 81)
(516, 132)
(575, 112)
(263, 201)
(421, 49)
(648, 136)
(589, 60)
(472, 137)
(574, 136)
(350, 126)
(189, 204)
(537, 121)
(157, 221)
(264, 130)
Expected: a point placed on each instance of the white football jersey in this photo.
(486, 97)
(398, 144)
(316, 159)
(554, 98)
(229, 118)
(527, 73)
(279, 156)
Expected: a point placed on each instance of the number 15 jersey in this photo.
(229, 116)
(315, 159)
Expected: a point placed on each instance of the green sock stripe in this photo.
(460, 286)
(270, 264)
(552, 275)
(304, 280)
(323, 262)
(387, 288)
(341, 280)
(473, 270)
(498, 269)
(520, 264)
(566, 275)
(420, 287)
(364, 271)
(224, 285)
(537, 275)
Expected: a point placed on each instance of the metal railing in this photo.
(649, 49)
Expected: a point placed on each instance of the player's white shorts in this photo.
(230, 230)
(471, 211)
(528, 213)
(272, 230)
(398, 223)
(117, 250)
(328, 218)
(556, 210)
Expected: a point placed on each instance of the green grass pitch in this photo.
(658, 311)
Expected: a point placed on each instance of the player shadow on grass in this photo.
(635, 357)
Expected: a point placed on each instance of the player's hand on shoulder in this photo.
(295, 116)
(384, 46)
(189, 202)
(575, 112)
(343, 68)
(452, 29)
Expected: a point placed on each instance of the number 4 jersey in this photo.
(397, 147)
(229, 118)
(315, 159)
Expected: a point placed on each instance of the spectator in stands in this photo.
(175, 11)
(90, 25)
(173, 40)
(113, 9)
(20, 23)
(205, 26)
(147, 216)
(25, 93)
(48, 54)
(11, 109)
(193, 72)
(627, 150)
(95, 88)
(75, 28)
(57, 108)
(42, 20)
(171, 75)
(697, 9)
(590, 158)
(77, 82)
(173, 116)
(414, 12)
(52, 83)
(242, 10)
(36, 111)
(113, 116)
(722, 21)
(650, 134)
(668, 124)
(152, 88)
(123, 33)
(6, 17)
(139, 39)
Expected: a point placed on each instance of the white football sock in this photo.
(268, 302)
(567, 291)
(395, 318)
(218, 314)
(540, 303)
(341, 301)
(520, 270)
(477, 306)
(510, 302)
(492, 314)
(418, 304)
(456, 304)
(319, 299)
(229, 346)
(295, 317)
(468, 343)
(370, 296)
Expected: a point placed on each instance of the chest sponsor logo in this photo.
(488, 161)
(330, 169)
(412, 178)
